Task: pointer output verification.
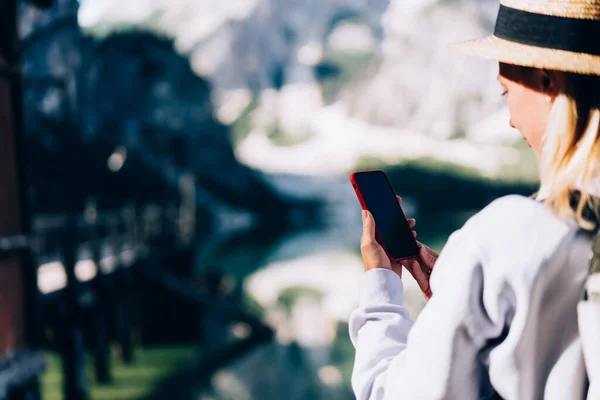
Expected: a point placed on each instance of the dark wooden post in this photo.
(18, 283)
(11, 287)
(75, 380)
(101, 346)
(122, 306)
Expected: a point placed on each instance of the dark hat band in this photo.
(552, 32)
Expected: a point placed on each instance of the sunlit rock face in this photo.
(240, 43)
(420, 83)
(271, 51)
(423, 85)
(250, 46)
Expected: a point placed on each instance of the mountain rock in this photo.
(422, 85)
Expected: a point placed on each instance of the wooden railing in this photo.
(84, 276)
(19, 365)
(74, 272)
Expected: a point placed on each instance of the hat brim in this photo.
(495, 48)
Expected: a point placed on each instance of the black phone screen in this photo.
(380, 200)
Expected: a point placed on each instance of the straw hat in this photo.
(561, 35)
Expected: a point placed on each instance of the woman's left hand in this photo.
(374, 256)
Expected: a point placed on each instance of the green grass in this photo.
(136, 381)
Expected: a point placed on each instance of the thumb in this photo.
(368, 226)
(373, 254)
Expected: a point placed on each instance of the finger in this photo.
(431, 252)
(420, 276)
(367, 240)
(372, 253)
(368, 225)
(427, 258)
(427, 295)
(425, 269)
(428, 250)
(399, 200)
(411, 222)
(397, 268)
(414, 234)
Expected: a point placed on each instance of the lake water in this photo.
(305, 283)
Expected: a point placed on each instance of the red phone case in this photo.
(364, 207)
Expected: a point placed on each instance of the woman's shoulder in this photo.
(517, 229)
(516, 213)
(512, 204)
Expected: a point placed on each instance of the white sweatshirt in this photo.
(502, 317)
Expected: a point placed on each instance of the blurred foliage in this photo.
(434, 229)
(425, 164)
(444, 190)
(333, 74)
(129, 381)
(241, 127)
(342, 353)
(289, 296)
(279, 138)
(447, 187)
(131, 89)
(349, 67)
(252, 304)
(525, 171)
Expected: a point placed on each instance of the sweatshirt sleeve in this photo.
(439, 356)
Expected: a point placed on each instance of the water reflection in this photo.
(305, 284)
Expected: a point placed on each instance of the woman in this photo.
(502, 318)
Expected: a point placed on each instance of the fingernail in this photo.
(364, 215)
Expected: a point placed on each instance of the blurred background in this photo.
(177, 221)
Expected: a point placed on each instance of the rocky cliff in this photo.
(416, 100)
(423, 85)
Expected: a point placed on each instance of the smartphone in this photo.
(375, 194)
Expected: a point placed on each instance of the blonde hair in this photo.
(570, 155)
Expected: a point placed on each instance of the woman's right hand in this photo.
(374, 256)
(421, 266)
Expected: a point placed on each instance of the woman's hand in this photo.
(374, 256)
(420, 267)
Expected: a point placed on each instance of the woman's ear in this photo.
(549, 85)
